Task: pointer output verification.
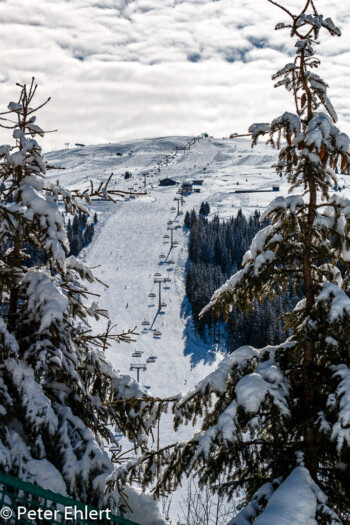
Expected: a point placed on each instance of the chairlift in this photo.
(163, 305)
(137, 353)
(173, 208)
(151, 359)
(175, 243)
(157, 333)
(181, 212)
(138, 366)
(171, 262)
(157, 274)
(115, 448)
(166, 236)
(152, 295)
(147, 387)
(167, 279)
(145, 323)
(169, 223)
(162, 256)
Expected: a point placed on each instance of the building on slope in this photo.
(167, 182)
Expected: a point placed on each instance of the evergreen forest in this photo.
(216, 250)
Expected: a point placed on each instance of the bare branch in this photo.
(281, 7)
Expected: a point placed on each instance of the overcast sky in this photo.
(125, 69)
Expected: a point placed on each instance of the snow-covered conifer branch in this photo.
(275, 422)
(57, 390)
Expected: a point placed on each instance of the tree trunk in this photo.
(309, 352)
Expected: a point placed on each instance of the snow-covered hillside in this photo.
(129, 241)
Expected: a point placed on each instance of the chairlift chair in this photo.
(166, 236)
(157, 333)
(152, 295)
(137, 353)
(151, 359)
(157, 274)
(115, 448)
(171, 262)
(145, 323)
(163, 305)
(162, 256)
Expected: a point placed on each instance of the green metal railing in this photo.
(22, 502)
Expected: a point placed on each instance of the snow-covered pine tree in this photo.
(276, 420)
(54, 378)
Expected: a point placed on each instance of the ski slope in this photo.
(129, 239)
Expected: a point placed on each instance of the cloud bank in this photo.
(122, 69)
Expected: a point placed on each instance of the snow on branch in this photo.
(46, 298)
(37, 406)
(291, 204)
(253, 375)
(341, 429)
(226, 292)
(296, 500)
(216, 380)
(337, 301)
(259, 499)
(289, 121)
(250, 392)
(311, 23)
(260, 261)
(258, 129)
(332, 28)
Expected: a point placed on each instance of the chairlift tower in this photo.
(139, 367)
(178, 200)
(172, 228)
(161, 280)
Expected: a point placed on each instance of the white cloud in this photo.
(121, 69)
